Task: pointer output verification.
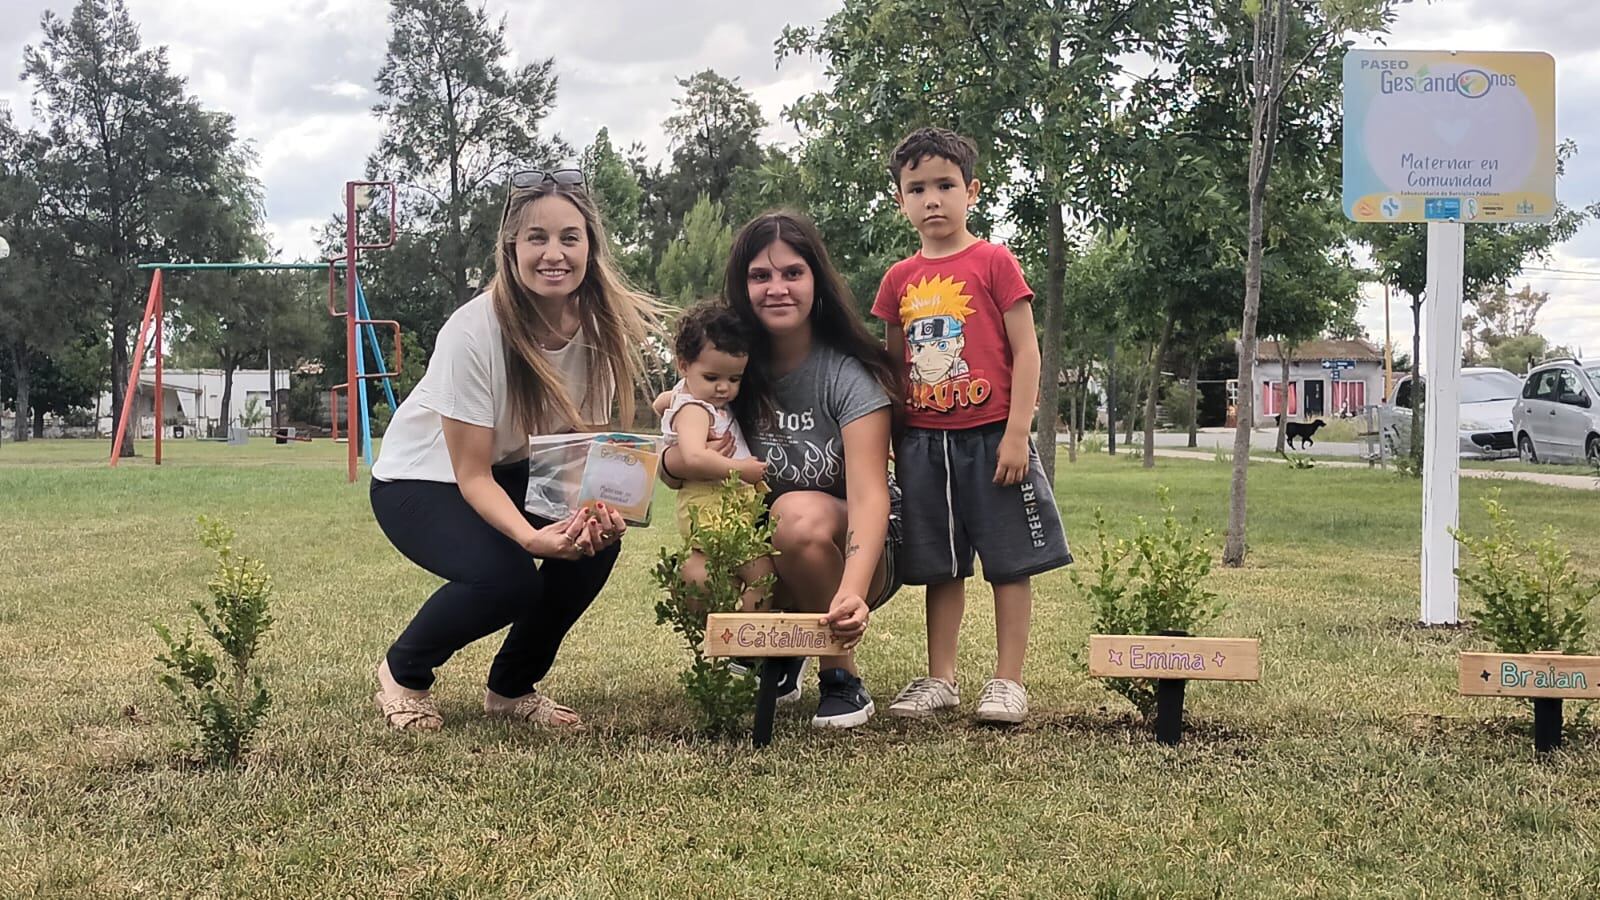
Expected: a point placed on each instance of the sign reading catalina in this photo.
(768, 634)
(1439, 136)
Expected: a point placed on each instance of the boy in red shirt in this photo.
(961, 317)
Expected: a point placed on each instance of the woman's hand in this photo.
(608, 526)
(847, 618)
(722, 443)
(572, 538)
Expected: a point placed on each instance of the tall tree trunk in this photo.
(1055, 281)
(38, 422)
(1194, 396)
(1139, 387)
(24, 385)
(229, 363)
(1083, 400)
(1283, 392)
(1153, 394)
(1271, 35)
(1072, 417)
(1111, 399)
(120, 360)
(1131, 420)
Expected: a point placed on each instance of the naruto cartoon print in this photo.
(934, 313)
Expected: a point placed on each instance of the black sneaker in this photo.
(845, 703)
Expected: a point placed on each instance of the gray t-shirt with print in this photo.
(804, 450)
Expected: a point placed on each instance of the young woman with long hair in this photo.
(548, 348)
(819, 403)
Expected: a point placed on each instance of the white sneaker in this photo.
(1003, 701)
(924, 697)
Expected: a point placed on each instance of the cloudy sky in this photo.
(297, 74)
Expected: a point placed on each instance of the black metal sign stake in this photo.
(767, 701)
(1546, 724)
(1169, 710)
(1169, 704)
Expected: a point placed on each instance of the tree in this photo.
(614, 185)
(57, 384)
(130, 172)
(1318, 28)
(457, 122)
(1096, 288)
(714, 136)
(1519, 354)
(694, 264)
(1033, 83)
(36, 318)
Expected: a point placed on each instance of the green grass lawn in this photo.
(1351, 769)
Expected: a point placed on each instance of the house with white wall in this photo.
(193, 397)
(1327, 379)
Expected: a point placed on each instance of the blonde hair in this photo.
(617, 321)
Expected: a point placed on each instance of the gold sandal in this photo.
(406, 712)
(536, 709)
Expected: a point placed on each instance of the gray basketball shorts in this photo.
(953, 510)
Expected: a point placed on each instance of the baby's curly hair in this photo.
(710, 323)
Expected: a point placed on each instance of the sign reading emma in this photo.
(1189, 658)
(768, 634)
(1441, 136)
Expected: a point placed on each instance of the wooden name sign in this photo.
(1157, 656)
(1552, 675)
(769, 634)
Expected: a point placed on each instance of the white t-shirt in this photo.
(722, 420)
(466, 381)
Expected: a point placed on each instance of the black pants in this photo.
(492, 583)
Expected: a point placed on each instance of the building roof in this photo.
(1316, 351)
(149, 381)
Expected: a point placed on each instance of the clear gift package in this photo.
(570, 471)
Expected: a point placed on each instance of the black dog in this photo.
(1301, 430)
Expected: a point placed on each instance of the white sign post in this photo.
(1441, 463)
(1447, 138)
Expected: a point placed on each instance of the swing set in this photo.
(358, 323)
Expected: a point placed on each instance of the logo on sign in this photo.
(1441, 208)
(1390, 207)
(1472, 84)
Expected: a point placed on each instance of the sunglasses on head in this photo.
(531, 178)
(527, 179)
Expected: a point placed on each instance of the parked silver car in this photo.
(1487, 397)
(1557, 418)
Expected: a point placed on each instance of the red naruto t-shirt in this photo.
(957, 354)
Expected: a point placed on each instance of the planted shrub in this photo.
(220, 692)
(1149, 584)
(1532, 598)
(1299, 461)
(729, 534)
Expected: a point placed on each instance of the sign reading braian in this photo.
(1435, 136)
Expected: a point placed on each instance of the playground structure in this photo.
(357, 316)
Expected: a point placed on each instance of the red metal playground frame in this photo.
(356, 196)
